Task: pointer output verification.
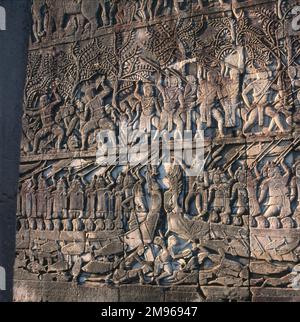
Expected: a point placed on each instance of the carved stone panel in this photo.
(225, 73)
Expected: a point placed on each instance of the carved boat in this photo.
(275, 244)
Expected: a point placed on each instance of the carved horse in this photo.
(83, 9)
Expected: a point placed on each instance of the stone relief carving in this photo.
(228, 68)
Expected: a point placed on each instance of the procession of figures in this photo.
(228, 69)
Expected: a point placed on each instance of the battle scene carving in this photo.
(228, 69)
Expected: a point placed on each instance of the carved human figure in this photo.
(252, 188)
(208, 96)
(276, 186)
(46, 113)
(155, 194)
(254, 113)
(219, 197)
(147, 109)
(104, 17)
(126, 11)
(281, 109)
(240, 194)
(119, 196)
(171, 197)
(60, 199)
(134, 267)
(66, 117)
(295, 192)
(128, 183)
(27, 194)
(76, 197)
(95, 113)
(230, 90)
(199, 193)
(163, 262)
(191, 100)
(104, 185)
(43, 196)
(173, 101)
(160, 6)
(91, 198)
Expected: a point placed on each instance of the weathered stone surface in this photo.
(225, 74)
(138, 293)
(183, 294)
(30, 291)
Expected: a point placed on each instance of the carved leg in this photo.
(276, 119)
(35, 31)
(89, 126)
(252, 119)
(37, 139)
(176, 6)
(219, 118)
(272, 211)
(59, 134)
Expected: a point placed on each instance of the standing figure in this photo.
(103, 188)
(60, 199)
(76, 197)
(147, 109)
(219, 196)
(91, 198)
(119, 196)
(27, 195)
(42, 199)
(275, 185)
(252, 182)
(240, 195)
(190, 99)
(295, 191)
(208, 97)
(173, 101)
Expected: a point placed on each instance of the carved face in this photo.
(172, 82)
(262, 75)
(140, 250)
(217, 178)
(210, 77)
(119, 179)
(274, 172)
(44, 100)
(192, 80)
(148, 90)
(172, 241)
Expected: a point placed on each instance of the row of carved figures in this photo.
(215, 196)
(49, 15)
(211, 101)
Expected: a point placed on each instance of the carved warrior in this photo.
(226, 68)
